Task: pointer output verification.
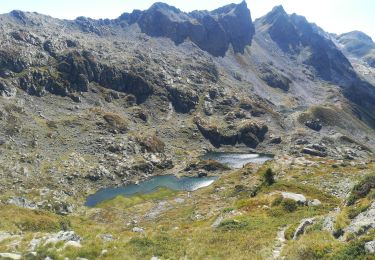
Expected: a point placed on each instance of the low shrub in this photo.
(151, 143)
(269, 177)
(277, 201)
(362, 189)
(289, 205)
(232, 224)
(116, 122)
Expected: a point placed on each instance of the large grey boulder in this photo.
(299, 198)
(370, 247)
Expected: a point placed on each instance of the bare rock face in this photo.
(247, 132)
(212, 31)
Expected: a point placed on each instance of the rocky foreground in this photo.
(87, 104)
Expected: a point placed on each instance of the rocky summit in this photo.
(91, 106)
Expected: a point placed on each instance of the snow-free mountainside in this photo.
(92, 104)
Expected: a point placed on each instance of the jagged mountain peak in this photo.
(213, 31)
(276, 13)
(231, 8)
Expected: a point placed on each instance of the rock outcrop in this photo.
(247, 132)
(363, 222)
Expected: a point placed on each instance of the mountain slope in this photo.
(87, 104)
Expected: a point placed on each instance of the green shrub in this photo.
(289, 205)
(141, 245)
(277, 201)
(269, 177)
(362, 189)
(232, 224)
(354, 250)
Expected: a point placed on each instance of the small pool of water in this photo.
(236, 160)
(150, 185)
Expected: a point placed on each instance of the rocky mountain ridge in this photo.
(87, 104)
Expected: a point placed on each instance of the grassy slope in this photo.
(248, 230)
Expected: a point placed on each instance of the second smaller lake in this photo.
(236, 160)
(150, 185)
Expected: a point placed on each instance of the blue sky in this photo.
(336, 16)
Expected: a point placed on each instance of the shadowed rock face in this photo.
(296, 36)
(212, 31)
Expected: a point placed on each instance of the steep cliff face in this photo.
(212, 31)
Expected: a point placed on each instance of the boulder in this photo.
(276, 140)
(370, 247)
(106, 237)
(315, 125)
(314, 202)
(313, 152)
(299, 198)
(138, 230)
